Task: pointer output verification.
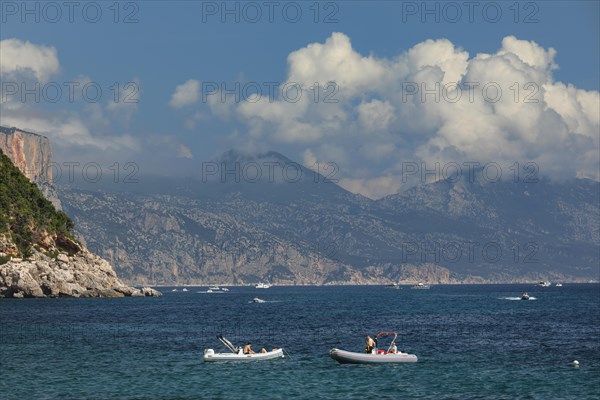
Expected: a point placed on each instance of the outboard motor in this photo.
(209, 352)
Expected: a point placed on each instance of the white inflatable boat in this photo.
(237, 354)
(349, 357)
(375, 356)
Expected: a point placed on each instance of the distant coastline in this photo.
(403, 285)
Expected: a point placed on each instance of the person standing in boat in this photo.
(370, 345)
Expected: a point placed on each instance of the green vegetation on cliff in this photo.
(27, 216)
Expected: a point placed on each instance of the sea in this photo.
(472, 342)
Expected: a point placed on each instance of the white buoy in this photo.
(576, 363)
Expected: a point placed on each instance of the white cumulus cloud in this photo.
(185, 94)
(432, 103)
(375, 115)
(19, 58)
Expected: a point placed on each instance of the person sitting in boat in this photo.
(393, 349)
(369, 345)
(248, 349)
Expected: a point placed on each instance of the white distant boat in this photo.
(525, 296)
(421, 286)
(257, 300)
(214, 288)
(225, 289)
(263, 286)
(184, 290)
(237, 353)
(558, 284)
(544, 284)
(393, 286)
(174, 290)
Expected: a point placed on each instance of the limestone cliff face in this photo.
(81, 275)
(39, 256)
(32, 154)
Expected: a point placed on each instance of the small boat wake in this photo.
(215, 289)
(258, 301)
(210, 291)
(517, 298)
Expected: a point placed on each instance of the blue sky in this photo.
(170, 43)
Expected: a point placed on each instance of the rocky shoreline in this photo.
(80, 275)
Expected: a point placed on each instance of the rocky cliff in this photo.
(39, 255)
(32, 154)
(80, 275)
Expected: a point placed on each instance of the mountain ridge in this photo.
(219, 228)
(245, 218)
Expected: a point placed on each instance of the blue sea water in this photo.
(473, 342)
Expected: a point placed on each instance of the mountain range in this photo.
(246, 218)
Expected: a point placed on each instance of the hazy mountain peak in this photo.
(237, 155)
